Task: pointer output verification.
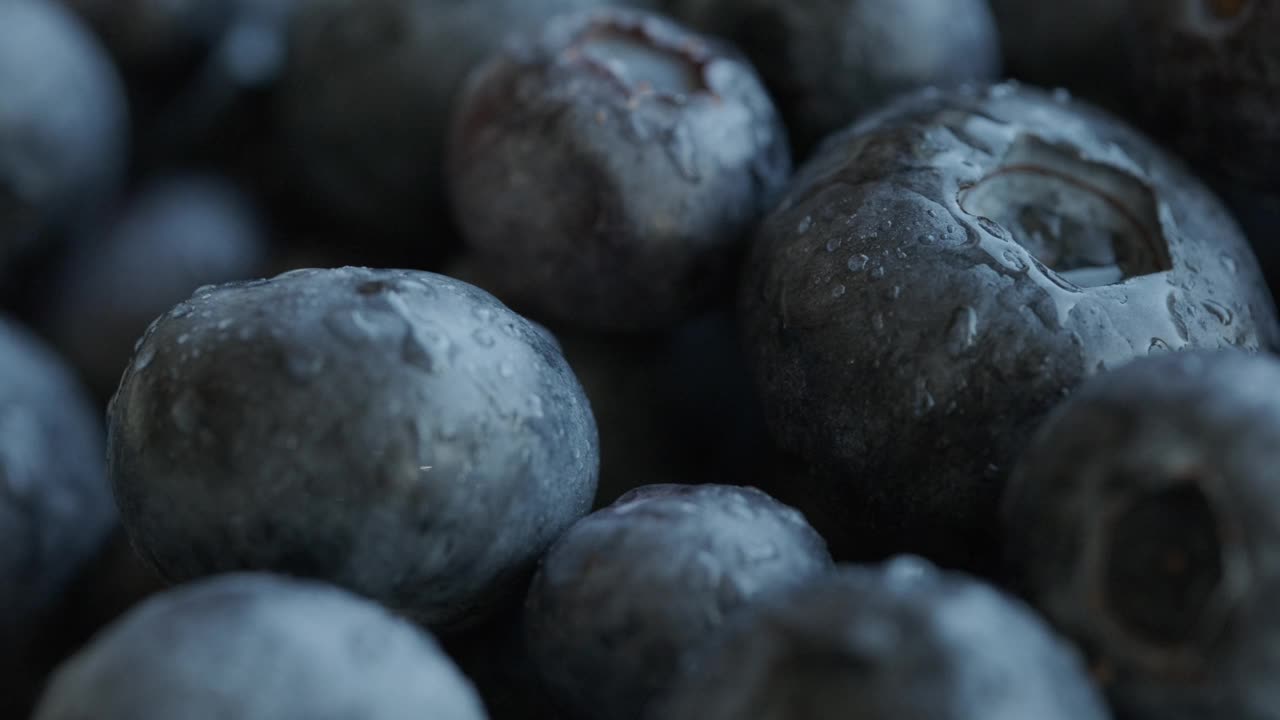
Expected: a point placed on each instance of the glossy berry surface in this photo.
(898, 641)
(628, 592)
(941, 275)
(608, 169)
(259, 647)
(828, 62)
(1141, 522)
(398, 433)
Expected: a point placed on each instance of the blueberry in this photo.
(1081, 45)
(607, 168)
(55, 504)
(887, 643)
(365, 100)
(1208, 73)
(1141, 521)
(629, 591)
(257, 647)
(63, 124)
(939, 276)
(398, 433)
(179, 233)
(827, 62)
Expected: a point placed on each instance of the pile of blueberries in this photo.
(639, 360)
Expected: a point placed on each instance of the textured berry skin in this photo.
(897, 642)
(179, 233)
(608, 169)
(1208, 74)
(258, 647)
(828, 62)
(630, 591)
(1142, 521)
(398, 433)
(63, 124)
(941, 275)
(55, 504)
(365, 101)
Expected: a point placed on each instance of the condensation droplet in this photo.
(877, 272)
(1229, 263)
(1158, 346)
(963, 330)
(924, 401)
(144, 358)
(834, 244)
(804, 225)
(858, 263)
(482, 337)
(838, 291)
(1220, 312)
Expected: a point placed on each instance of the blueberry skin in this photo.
(179, 233)
(827, 62)
(55, 504)
(1140, 521)
(1207, 73)
(907, 332)
(628, 592)
(608, 168)
(901, 641)
(259, 647)
(398, 433)
(63, 124)
(365, 99)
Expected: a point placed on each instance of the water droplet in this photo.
(838, 291)
(144, 358)
(1219, 311)
(357, 327)
(858, 262)
(1229, 263)
(303, 365)
(804, 225)
(482, 337)
(927, 239)
(506, 369)
(483, 314)
(991, 227)
(1013, 261)
(414, 352)
(894, 293)
(963, 330)
(535, 406)
(1158, 346)
(683, 152)
(181, 311)
(877, 272)
(183, 338)
(760, 551)
(225, 323)
(906, 570)
(186, 411)
(924, 401)
(834, 244)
